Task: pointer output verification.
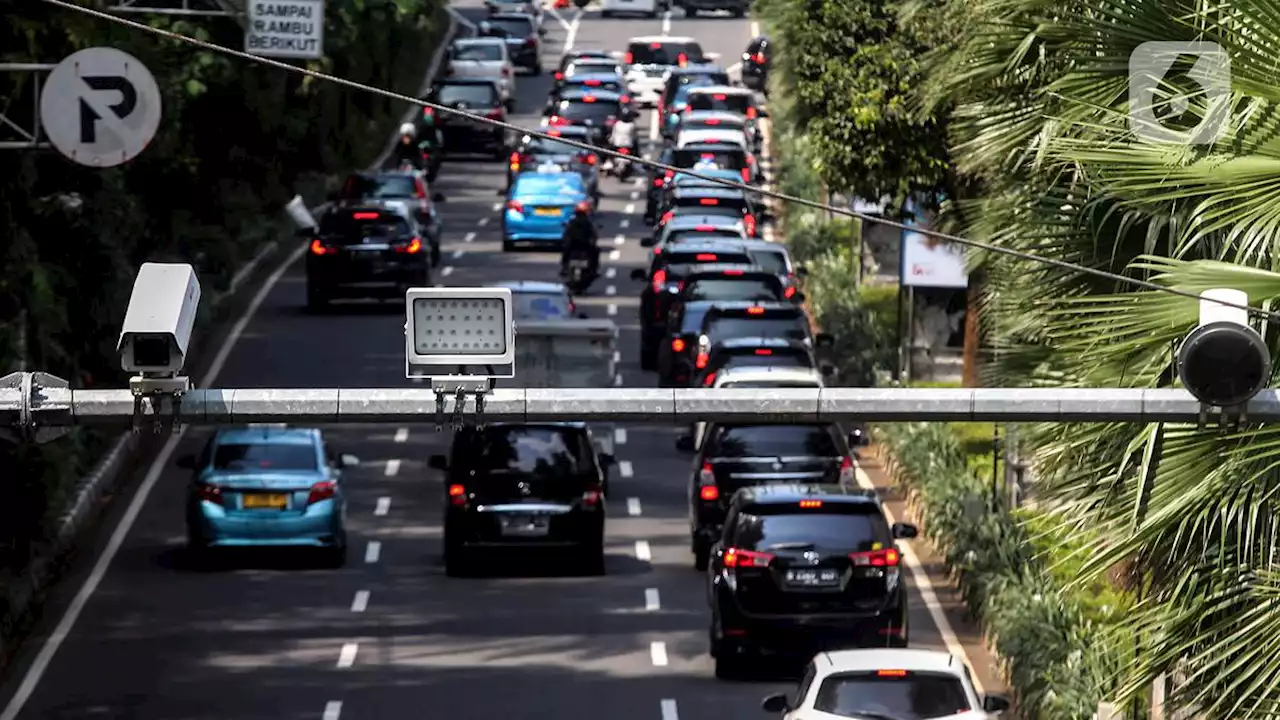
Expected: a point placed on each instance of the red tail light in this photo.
(710, 380)
(495, 114)
(419, 187)
(628, 58)
(705, 228)
(758, 58)
(624, 99)
(708, 201)
(659, 281)
(677, 345)
(763, 351)
(557, 121)
(701, 361)
(591, 159)
(718, 97)
(592, 496)
(624, 151)
(891, 673)
(591, 83)
(751, 113)
(427, 112)
(810, 504)
(709, 493)
(589, 99)
(515, 206)
(876, 558)
(755, 311)
(323, 490)
(365, 216)
(209, 493)
(414, 246)
(655, 46)
(666, 217)
(682, 60)
(318, 248)
(706, 257)
(738, 558)
(712, 121)
(733, 272)
(555, 133)
(458, 494)
(559, 76)
(657, 182)
(789, 293)
(749, 224)
(666, 177)
(746, 175)
(515, 161)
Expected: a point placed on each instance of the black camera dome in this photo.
(1224, 364)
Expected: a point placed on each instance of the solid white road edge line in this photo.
(652, 602)
(920, 579)
(347, 657)
(372, 551)
(668, 706)
(40, 664)
(658, 653)
(383, 506)
(360, 602)
(633, 507)
(402, 435)
(333, 710)
(393, 468)
(642, 551)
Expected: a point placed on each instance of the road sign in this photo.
(285, 29)
(100, 107)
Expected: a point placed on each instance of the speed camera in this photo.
(158, 323)
(1224, 362)
(459, 332)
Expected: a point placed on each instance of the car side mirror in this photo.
(437, 197)
(802, 271)
(906, 531)
(776, 704)
(639, 274)
(995, 703)
(438, 462)
(607, 459)
(187, 462)
(684, 443)
(824, 340)
(347, 460)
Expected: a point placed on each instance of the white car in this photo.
(707, 119)
(693, 136)
(760, 377)
(884, 684)
(648, 8)
(650, 57)
(483, 57)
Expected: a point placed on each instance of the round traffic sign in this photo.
(100, 107)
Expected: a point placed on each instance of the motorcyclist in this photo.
(622, 136)
(581, 239)
(430, 143)
(407, 150)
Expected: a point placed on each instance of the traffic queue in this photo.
(797, 557)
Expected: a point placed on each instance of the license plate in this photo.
(526, 525)
(579, 263)
(547, 212)
(269, 501)
(813, 578)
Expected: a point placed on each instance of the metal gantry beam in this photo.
(44, 405)
(197, 8)
(31, 139)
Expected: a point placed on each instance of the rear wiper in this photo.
(793, 546)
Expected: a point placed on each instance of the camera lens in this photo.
(1224, 364)
(151, 351)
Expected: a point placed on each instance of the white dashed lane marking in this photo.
(347, 657)
(360, 602)
(630, 208)
(635, 195)
(620, 434)
(611, 290)
(393, 469)
(372, 551)
(642, 551)
(624, 223)
(483, 221)
(619, 239)
(384, 505)
(633, 507)
(652, 603)
(333, 710)
(658, 653)
(617, 358)
(497, 207)
(669, 709)
(611, 273)
(402, 435)
(469, 237)
(617, 380)
(446, 271)
(615, 254)
(625, 469)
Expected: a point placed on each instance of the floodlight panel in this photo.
(460, 326)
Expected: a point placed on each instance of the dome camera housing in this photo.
(1224, 364)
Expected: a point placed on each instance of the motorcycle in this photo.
(579, 275)
(620, 168)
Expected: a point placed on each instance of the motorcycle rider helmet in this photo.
(408, 130)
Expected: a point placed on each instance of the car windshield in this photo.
(664, 53)
(540, 146)
(566, 185)
(909, 696)
(773, 262)
(691, 257)
(775, 441)
(713, 123)
(723, 328)
(473, 94)
(726, 102)
(678, 90)
(592, 66)
(537, 451)
(580, 110)
(486, 52)
(589, 84)
(512, 26)
(678, 236)
(775, 358)
(849, 530)
(264, 456)
(699, 158)
(384, 187)
(738, 203)
(762, 384)
(744, 289)
(356, 226)
(540, 306)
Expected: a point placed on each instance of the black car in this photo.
(739, 101)
(736, 456)
(735, 8)
(476, 96)
(784, 320)
(535, 151)
(804, 567)
(523, 36)
(695, 157)
(406, 189)
(701, 74)
(365, 250)
(595, 110)
(709, 199)
(516, 485)
(753, 352)
(756, 60)
(665, 277)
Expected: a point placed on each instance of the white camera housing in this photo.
(459, 333)
(161, 315)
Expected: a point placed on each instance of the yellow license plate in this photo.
(276, 502)
(547, 212)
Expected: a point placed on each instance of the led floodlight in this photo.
(459, 333)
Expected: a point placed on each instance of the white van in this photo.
(648, 8)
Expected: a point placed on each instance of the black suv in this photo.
(784, 320)
(477, 96)
(706, 200)
(805, 567)
(522, 35)
(408, 190)
(665, 278)
(516, 485)
(365, 250)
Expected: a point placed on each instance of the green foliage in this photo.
(235, 140)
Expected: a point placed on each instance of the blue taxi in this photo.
(540, 205)
(267, 486)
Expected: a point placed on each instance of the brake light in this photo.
(705, 228)
(657, 182)
(624, 99)
(515, 206)
(876, 558)
(755, 311)
(708, 201)
(732, 272)
(764, 351)
(515, 161)
(495, 114)
(737, 558)
(318, 248)
(709, 493)
(789, 293)
(677, 345)
(749, 224)
(707, 156)
(555, 133)
(701, 361)
(589, 99)
(624, 151)
(558, 121)
(427, 112)
(592, 159)
(414, 246)
(707, 477)
(846, 471)
(891, 673)
(365, 216)
(666, 217)
(758, 58)
(717, 97)
(628, 58)
(751, 113)
(592, 83)
(746, 175)
(706, 257)
(657, 250)
(209, 493)
(323, 490)
(682, 60)
(659, 280)
(592, 496)
(666, 177)
(710, 379)
(809, 504)
(559, 76)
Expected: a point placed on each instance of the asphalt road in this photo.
(389, 636)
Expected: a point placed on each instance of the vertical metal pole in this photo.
(995, 467)
(910, 332)
(38, 124)
(897, 345)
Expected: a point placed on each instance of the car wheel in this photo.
(739, 13)
(606, 14)
(536, 69)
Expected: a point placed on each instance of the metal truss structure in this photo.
(24, 121)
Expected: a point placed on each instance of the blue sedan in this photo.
(267, 487)
(539, 206)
